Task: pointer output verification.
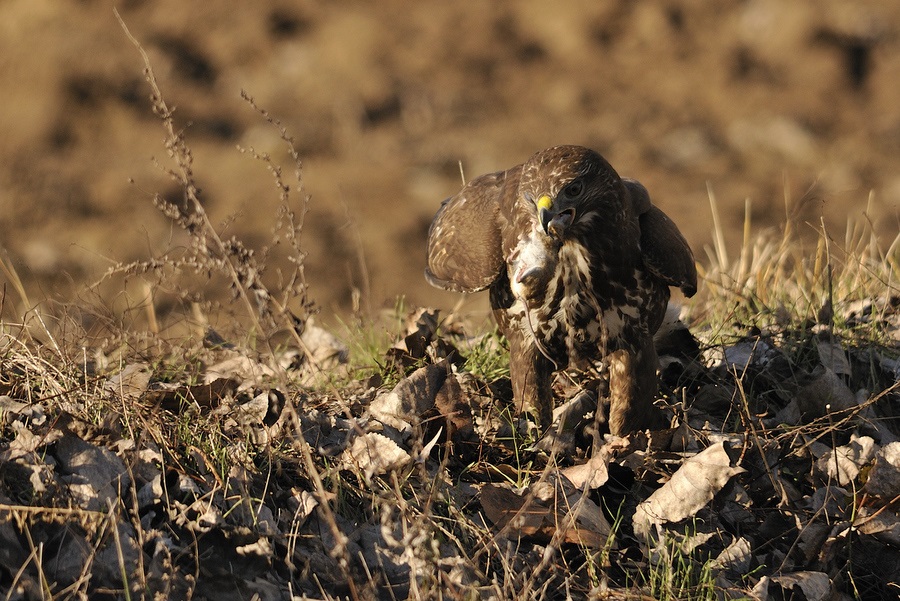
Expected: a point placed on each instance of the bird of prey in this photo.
(578, 263)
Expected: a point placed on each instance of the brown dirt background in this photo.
(763, 99)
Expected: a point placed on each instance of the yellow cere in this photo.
(545, 202)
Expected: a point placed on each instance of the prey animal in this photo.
(578, 263)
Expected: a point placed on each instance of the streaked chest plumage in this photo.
(574, 302)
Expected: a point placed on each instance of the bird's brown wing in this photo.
(464, 241)
(640, 198)
(665, 252)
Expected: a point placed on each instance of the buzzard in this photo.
(578, 263)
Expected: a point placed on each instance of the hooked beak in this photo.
(554, 223)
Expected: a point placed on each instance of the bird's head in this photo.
(570, 185)
(557, 214)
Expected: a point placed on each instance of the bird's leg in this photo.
(530, 372)
(632, 388)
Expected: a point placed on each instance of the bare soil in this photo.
(759, 99)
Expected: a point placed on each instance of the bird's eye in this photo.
(574, 189)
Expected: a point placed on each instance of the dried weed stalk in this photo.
(209, 253)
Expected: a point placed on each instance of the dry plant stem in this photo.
(33, 556)
(368, 572)
(887, 506)
(200, 220)
(721, 252)
(555, 544)
(85, 576)
(294, 228)
(15, 509)
(430, 500)
(362, 264)
(511, 523)
(755, 438)
(37, 556)
(179, 152)
(138, 532)
(826, 425)
(7, 267)
(340, 550)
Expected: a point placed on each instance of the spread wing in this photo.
(464, 241)
(665, 251)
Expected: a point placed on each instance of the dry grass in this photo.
(778, 277)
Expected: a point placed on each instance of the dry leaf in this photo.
(205, 396)
(421, 326)
(691, 487)
(306, 502)
(883, 525)
(736, 557)
(573, 518)
(326, 350)
(11, 410)
(833, 357)
(594, 473)
(253, 412)
(814, 586)
(27, 442)
(755, 352)
(239, 367)
(823, 393)
(425, 453)
(452, 403)
(374, 453)
(501, 505)
(403, 406)
(130, 383)
(844, 462)
(884, 477)
(95, 473)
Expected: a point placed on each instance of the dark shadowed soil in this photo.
(761, 99)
